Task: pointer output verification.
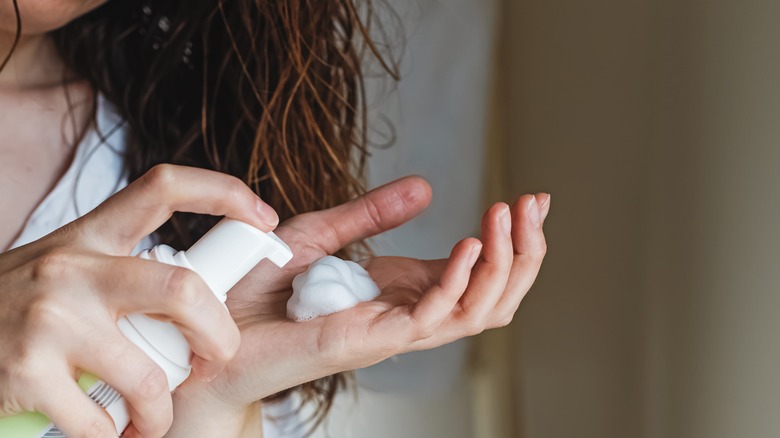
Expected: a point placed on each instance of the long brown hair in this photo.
(269, 91)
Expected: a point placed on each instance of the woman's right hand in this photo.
(62, 295)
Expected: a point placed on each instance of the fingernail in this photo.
(545, 206)
(475, 251)
(267, 214)
(506, 220)
(533, 212)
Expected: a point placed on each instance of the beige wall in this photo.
(576, 126)
(715, 281)
(656, 127)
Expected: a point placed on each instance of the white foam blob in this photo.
(329, 285)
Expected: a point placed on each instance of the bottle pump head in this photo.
(230, 250)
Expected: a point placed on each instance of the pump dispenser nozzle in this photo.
(230, 250)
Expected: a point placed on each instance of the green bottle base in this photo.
(34, 424)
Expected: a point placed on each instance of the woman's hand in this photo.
(423, 304)
(62, 295)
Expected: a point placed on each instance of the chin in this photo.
(41, 16)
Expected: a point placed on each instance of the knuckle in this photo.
(505, 320)
(373, 216)
(25, 371)
(534, 255)
(53, 266)
(182, 287)
(541, 251)
(492, 269)
(424, 331)
(152, 384)
(474, 327)
(235, 189)
(529, 258)
(106, 354)
(160, 178)
(99, 428)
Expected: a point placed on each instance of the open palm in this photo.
(423, 304)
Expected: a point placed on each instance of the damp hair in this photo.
(270, 92)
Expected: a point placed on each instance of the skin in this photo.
(38, 130)
(63, 294)
(423, 303)
(33, 159)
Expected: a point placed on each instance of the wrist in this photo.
(197, 412)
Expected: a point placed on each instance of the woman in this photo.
(258, 108)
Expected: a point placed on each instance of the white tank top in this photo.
(95, 174)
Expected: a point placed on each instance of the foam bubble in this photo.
(329, 285)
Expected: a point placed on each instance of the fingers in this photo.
(437, 303)
(140, 208)
(530, 248)
(183, 298)
(74, 413)
(485, 286)
(487, 303)
(141, 382)
(379, 210)
(489, 279)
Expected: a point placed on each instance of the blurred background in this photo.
(655, 126)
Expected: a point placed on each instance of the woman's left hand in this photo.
(423, 304)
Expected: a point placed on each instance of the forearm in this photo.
(196, 414)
